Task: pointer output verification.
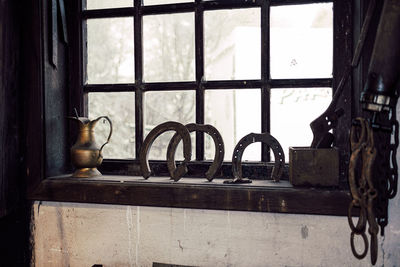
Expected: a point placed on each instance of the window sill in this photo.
(260, 196)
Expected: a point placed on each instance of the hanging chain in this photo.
(386, 169)
(373, 170)
(393, 178)
(373, 177)
(362, 189)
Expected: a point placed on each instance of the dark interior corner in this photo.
(14, 208)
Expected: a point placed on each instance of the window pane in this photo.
(163, 2)
(168, 47)
(232, 44)
(101, 4)
(301, 41)
(120, 108)
(235, 113)
(292, 111)
(160, 107)
(110, 53)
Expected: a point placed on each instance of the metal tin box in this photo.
(313, 167)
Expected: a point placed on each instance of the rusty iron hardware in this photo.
(219, 149)
(265, 138)
(182, 131)
(379, 97)
(328, 120)
(362, 188)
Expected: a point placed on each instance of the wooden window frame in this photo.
(49, 136)
(258, 170)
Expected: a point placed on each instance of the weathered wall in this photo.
(68, 234)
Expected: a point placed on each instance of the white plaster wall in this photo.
(68, 234)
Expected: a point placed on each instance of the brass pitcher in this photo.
(86, 155)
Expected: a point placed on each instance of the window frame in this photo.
(43, 186)
(265, 83)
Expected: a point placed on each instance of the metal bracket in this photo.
(265, 138)
(219, 149)
(182, 131)
(57, 9)
(328, 120)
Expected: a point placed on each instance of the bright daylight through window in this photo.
(215, 73)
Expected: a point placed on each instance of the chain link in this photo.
(382, 173)
(386, 169)
(393, 178)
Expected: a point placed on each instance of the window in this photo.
(237, 65)
(113, 58)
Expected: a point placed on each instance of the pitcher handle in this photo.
(109, 135)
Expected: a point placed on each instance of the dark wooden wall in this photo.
(10, 111)
(14, 215)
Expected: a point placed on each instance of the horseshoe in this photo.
(151, 137)
(265, 138)
(219, 148)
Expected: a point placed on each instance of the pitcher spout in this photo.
(82, 120)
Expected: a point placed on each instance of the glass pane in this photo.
(101, 4)
(232, 44)
(235, 113)
(120, 108)
(292, 111)
(163, 2)
(168, 47)
(160, 107)
(301, 41)
(110, 53)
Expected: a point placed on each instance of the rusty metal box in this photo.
(313, 167)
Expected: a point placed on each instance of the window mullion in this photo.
(138, 39)
(342, 54)
(265, 77)
(301, 83)
(199, 46)
(82, 102)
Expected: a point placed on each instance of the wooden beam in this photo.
(260, 196)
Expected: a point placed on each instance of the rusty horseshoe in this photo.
(265, 138)
(182, 131)
(219, 149)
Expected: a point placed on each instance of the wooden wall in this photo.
(14, 217)
(10, 110)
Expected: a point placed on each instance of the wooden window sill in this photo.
(259, 196)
